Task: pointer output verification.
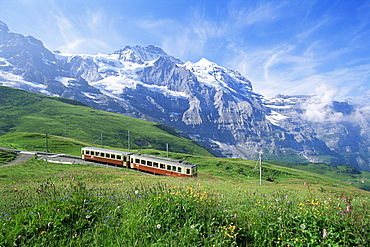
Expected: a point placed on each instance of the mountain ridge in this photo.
(211, 103)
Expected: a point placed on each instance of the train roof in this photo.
(107, 151)
(167, 161)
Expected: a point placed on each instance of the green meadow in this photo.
(47, 204)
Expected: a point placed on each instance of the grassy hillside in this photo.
(6, 157)
(344, 173)
(22, 111)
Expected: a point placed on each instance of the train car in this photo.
(143, 162)
(163, 166)
(115, 157)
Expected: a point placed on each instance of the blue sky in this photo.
(283, 47)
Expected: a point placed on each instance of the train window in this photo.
(97, 153)
(162, 166)
(149, 163)
(187, 171)
(107, 155)
(155, 164)
(113, 156)
(174, 168)
(137, 161)
(143, 162)
(119, 157)
(178, 169)
(87, 152)
(92, 153)
(102, 154)
(168, 167)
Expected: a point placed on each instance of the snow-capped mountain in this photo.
(216, 106)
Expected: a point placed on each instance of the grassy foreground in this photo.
(44, 204)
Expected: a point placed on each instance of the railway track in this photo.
(23, 156)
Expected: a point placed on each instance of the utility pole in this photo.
(260, 159)
(167, 150)
(259, 163)
(128, 140)
(47, 144)
(101, 140)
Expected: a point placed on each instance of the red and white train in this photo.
(143, 162)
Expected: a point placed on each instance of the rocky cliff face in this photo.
(214, 105)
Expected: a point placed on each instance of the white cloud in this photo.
(241, 16)
(318, 108)
(198, 34)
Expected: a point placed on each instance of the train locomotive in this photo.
(142, 162)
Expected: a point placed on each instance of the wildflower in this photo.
(20, 236)
(158, 226)
(349, 208)
(136, 192)
(325, 234)
(303, 226)
(192, 226)
(235, 215)
(49, 224)
(304, 183)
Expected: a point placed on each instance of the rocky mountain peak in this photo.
(140, 54)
